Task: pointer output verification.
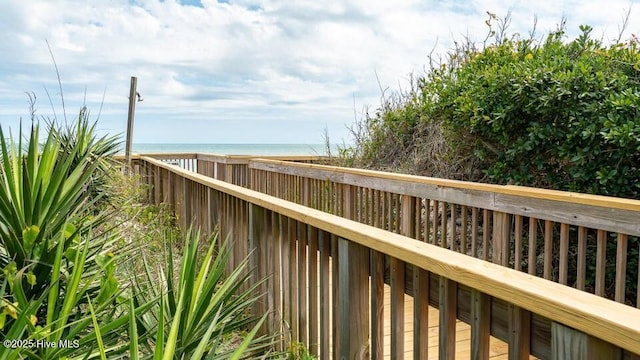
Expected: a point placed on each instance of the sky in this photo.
(246, 71)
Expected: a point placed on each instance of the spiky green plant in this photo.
(76, 307)
(43, 201)
(203, 307)
(56, 262)
(79, 141)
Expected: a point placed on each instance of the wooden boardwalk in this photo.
(538, 315)
(497, 348)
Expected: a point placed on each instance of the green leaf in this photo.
(69, 230)
(108, 287)
(96, 328)
(31, 278)
(10, 271)
(133, 332)
(29, 236)
(238, 353)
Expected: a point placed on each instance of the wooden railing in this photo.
(230, 168)
(566, 231)
(542, 232)
(324, 277)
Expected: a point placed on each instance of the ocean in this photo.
(234, 149)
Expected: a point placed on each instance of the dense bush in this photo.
(558, 115)
(552, 113)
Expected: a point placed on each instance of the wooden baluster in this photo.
(564, 254)
(519, 333)
(621, 267)
(474, 232)
(501, 238)
(532, 255)
(582, 258)
(464, 230)
(485, 234)
(397, 309)
(548, 249)
(601, 262)
(303, 311)
(420, 314)
(313, 289)
(335, 296)
(517, 260)
(293, 276)
(377, 305)
(443, 225)
(324, 242)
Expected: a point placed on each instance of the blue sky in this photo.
(246, 71)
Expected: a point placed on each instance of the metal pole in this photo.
(132, 110)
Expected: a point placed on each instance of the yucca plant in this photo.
(201, 308)
(43, 201)
(58, 268)
(74, 309)
(54, 266)
(79, 141)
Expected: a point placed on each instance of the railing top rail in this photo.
(172, 155)
(232, 159)
(246, 158)
(529, 192)
(613, 322)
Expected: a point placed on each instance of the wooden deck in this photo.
(498, 348)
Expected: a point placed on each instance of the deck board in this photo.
(498, 349)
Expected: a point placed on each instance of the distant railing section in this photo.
(325, 274)
(544, 233)
(230, 168)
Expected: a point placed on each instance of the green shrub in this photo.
(553, 113)
(557, 115)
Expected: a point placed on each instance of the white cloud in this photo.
(266, 63)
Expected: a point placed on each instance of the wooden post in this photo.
(448, 306)
(480, 325)
(132, 109)
(519, 333)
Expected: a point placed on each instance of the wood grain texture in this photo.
(567, 343)
(582, 259)
(354, 304)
